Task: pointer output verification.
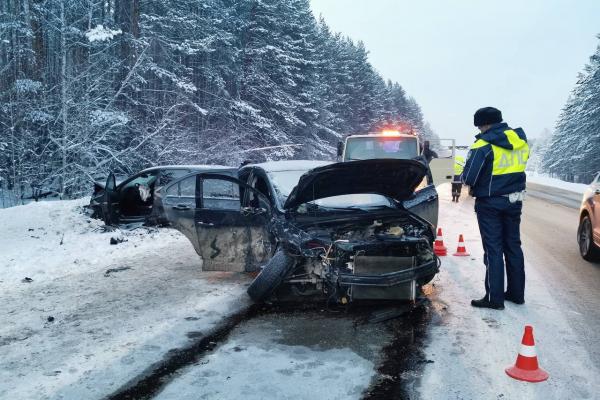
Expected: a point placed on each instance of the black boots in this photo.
(513, 300)
(484, 303)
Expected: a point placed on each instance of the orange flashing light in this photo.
(390, 133)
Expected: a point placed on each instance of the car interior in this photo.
(136, 196)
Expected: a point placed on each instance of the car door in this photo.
(425, 200)
(442, 165)
(596, 209)
(110, 201)
(227, 232)
(179, 205)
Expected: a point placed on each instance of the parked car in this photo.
(346, 230)
(588, 233)
(131, 200)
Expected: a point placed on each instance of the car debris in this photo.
(27, 280)
(118, 269)
(114, 240)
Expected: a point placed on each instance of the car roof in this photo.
(290, 165)
(376, 134)
(200, 167)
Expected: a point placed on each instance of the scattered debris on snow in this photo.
(71, 333)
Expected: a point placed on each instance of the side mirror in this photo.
(340, 149)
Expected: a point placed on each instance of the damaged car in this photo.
(343, 231)
(132, 200)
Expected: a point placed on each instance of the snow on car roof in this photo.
(198, 166)
(291, 165)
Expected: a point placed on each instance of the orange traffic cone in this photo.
(461, 250)
(438, 246)
(526, 368)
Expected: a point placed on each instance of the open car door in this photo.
(425, 200)
(442, 166)
(215, 213)
(110, 201)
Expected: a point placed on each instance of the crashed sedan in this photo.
(343, 231)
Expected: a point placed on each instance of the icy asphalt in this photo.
(110, 332)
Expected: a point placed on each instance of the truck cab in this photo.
(439, 153)
(386, 144)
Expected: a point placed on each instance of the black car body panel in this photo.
(227, 235)
(375, 248)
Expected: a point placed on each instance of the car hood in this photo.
(396, 179)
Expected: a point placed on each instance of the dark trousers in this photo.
(456, 187)
(499, 225)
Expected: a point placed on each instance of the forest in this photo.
(92, 86)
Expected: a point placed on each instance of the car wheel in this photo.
(271, 276)
(425, 280)
(585, 237)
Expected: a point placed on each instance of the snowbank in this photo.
(47, 240)
(545, 180)
(96, 315)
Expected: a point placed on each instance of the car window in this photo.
(187, 187)
(182, 192)
(363, 148)
(220, 194)
(173, 190)
(285, 181)
(146, 179)
(169, 175)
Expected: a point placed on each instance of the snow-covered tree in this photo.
(574, 151)
(89, 86)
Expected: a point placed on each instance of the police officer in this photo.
(459, 165)
(495, 172)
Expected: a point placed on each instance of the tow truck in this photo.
(399, 144)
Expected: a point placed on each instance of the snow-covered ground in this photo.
(545, 180)
(471, 347)
(77, 331)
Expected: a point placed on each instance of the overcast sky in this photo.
(521, 56)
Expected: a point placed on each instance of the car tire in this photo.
(271, 276)
(425, 280)
(585, 238)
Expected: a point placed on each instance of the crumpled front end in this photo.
(384, 259)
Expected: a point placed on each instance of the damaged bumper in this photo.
(391, 278)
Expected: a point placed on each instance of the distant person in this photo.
(428, 153)
(459, 164)
(495, 172)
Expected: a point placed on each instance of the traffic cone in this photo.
(438, 246)
(461, 250)
(526, 368)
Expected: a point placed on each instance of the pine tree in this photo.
(574, 151)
